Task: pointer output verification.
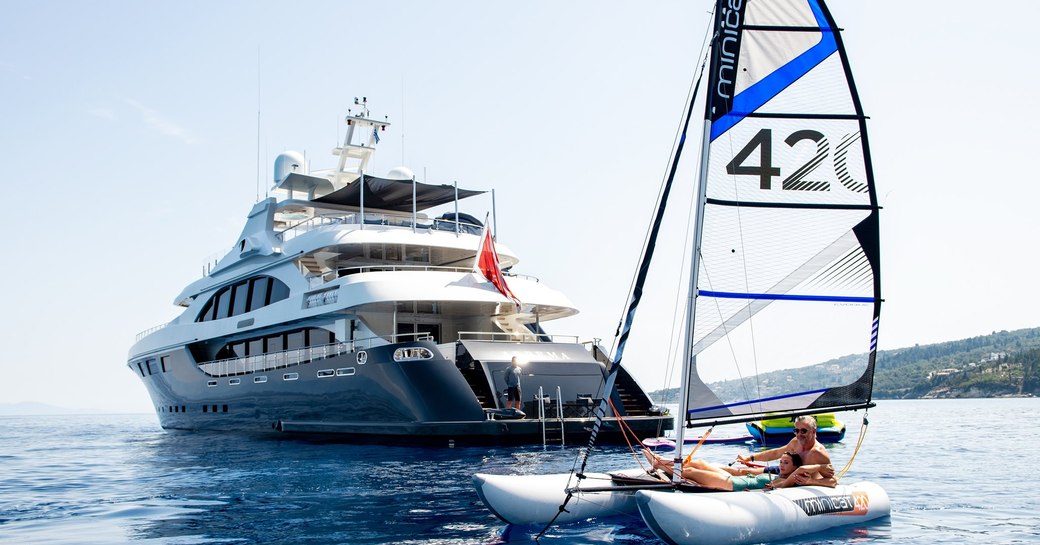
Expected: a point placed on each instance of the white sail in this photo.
(787, 268)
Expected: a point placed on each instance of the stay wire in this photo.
(859, 443)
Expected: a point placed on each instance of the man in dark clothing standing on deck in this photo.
(513, 384)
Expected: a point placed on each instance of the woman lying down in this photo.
(792, 473)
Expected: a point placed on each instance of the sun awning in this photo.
(387, 194)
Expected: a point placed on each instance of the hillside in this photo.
(1005, 363)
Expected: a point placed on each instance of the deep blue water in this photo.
(958, 471)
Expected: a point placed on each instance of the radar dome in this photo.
(400, 173)
(287, 163)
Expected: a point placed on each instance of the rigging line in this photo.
(625, 430)
(747, 283)
(838, 475)
(704, 437)
(658, 209)
(723, 321)
(677, 142)
(673, 344)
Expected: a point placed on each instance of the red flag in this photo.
(487, 264)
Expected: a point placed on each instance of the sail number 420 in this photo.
(798, 179)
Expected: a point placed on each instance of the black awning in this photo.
(386, 194)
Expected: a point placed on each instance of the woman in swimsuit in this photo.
(728, 478)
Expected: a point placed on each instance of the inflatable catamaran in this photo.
(784, 274)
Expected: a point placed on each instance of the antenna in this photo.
(402, 127)
(258, 123)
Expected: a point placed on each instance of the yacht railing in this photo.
(354, 218)
(149, 331)
(333, 274)
(287, 358)
(502, 337)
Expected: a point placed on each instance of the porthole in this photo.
(324, 373)
(211, 383)
(235, 382)
(259, 380)
(345, 371)
(362, 357)
(413, 353)
(290, 376)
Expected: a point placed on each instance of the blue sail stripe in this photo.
(774, 398)
(784, 297)
(757, 95)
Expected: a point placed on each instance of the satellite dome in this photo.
(287, 163)
(400, 173)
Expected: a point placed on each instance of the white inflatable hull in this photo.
(536, 499)
(756, 516)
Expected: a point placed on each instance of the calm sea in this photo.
(958, 471)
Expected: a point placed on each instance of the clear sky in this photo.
(131, 135)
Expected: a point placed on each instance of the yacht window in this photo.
(417, 254)
(276, 343)
(207, 312)
(295, 340)
(247, 295)
(279, 291)
(223, 303)
(241, 298)
(256, 347)
(258, 293)
(162, 361)
(318, 337)
(238, 350)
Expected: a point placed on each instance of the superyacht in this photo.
(371, 308)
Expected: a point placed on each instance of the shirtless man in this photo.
(817, 468)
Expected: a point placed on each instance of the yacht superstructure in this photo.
(348, 306)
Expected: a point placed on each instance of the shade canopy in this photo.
(396, 195)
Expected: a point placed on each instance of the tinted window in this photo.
(207, 312)
(275, 343)
(223, 303)
(279, 291)
(319, 337)
(256, 347)
(258, 295)
(296, 339)
(241, 298)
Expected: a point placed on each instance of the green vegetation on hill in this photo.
(1005, 363)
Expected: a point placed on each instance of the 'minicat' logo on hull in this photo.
(855, 503)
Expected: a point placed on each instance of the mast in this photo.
(689, 356)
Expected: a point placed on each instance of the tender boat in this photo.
(371, 308)
(778, 431)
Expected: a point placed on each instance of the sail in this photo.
(787, 292)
